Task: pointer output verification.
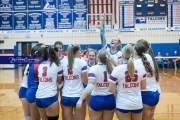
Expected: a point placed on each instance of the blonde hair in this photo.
(104, 58)
(72, 49)
(127, 53)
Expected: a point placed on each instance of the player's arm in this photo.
(102, 32)
(143, 82)
(112, 87)
(87, 91)
(112, 83)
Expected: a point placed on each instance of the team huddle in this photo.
(122, 82)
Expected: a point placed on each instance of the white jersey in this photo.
(117, 56)
(100, 75)
(73, 85)
(128, 91)
(151, 81)
(25, 78)
(61, 62)
(48, 79)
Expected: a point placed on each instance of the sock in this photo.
(27, 117)
(53, 118)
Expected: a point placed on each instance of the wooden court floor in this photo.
(167, 109)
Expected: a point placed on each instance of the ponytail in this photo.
(150, 52)
(156, 69)
(104, 57)
(130, 67)
(109, 66)
(52, 56)
(72, 49)
(147, 65)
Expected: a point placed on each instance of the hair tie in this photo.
(35, 52)
(149, 45)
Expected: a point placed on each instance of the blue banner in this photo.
(6, 5)
(20, 59)
(6, 21)
(35, 20)
(34, 4)
(80, 4)
(50, 20)
(79, 19)
(19, 5)
(65, 19)
(65, 4)
(20, 21)
(49, 4)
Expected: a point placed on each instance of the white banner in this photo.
(156, 20)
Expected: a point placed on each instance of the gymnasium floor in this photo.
(167, 109)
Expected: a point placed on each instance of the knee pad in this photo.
(53, 118)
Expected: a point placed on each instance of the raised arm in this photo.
(102, 31)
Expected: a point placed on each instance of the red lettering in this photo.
(102, 84)
(71, 77)
(131, 85)
(45, 79)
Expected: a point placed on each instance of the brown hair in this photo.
(150, 52)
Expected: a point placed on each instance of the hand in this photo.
(79, 103)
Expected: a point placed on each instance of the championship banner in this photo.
(20, 20)
(6, 21)
(49, 20)
(65, 19)
(35, 20)
(19, 5)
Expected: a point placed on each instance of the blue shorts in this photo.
(22, 92)
(150, 98)
(30, 95)
(70, 101)
(127, 111)
(46, 102)
(98, 103)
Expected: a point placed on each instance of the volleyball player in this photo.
(23, 89)
(60, 46)
(102, 102)
(22, 95)
(150, 95)
(33, 83)
(92, 60)
(47, 99)
(75, 74)
(130, 77)
(115, 45)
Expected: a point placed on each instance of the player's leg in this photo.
(124, 115)
(95, 115)
(34, 112)
(67, 108)
(67, 114)
(108, 114)
(41, 109)
(80, 114)
(136, 114)
(25, 103)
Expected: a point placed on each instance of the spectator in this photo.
(175, 60)
(166, 60)
(160, 60)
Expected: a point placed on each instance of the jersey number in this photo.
(128, 79)
(105, 76)
(44, 71)
(70, 71)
